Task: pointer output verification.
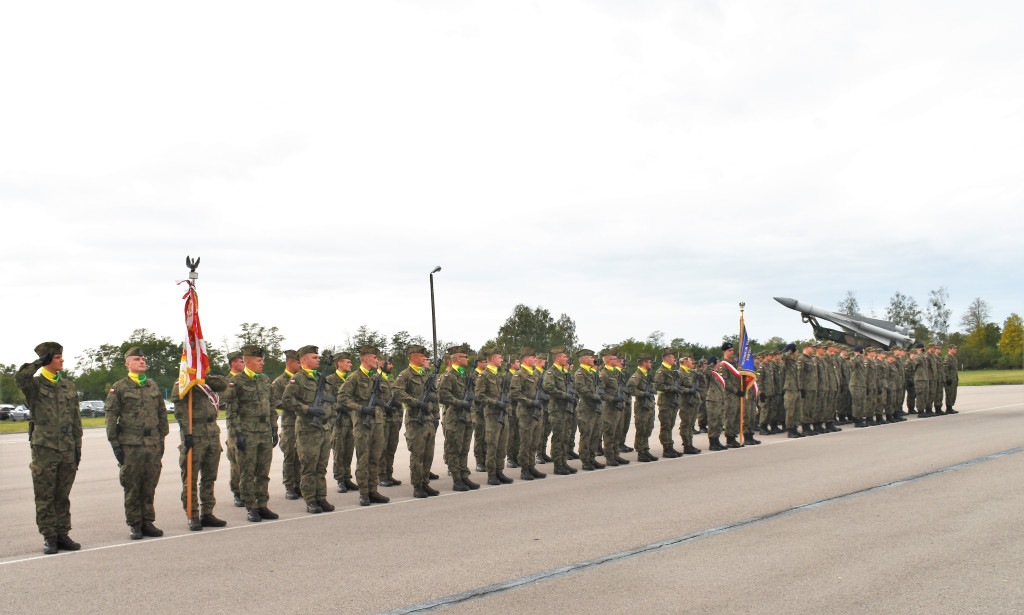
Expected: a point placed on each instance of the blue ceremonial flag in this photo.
(747, 368)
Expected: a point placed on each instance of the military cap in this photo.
(558, 350)
(368, 350)
(416, 349)
(791, 347)
(685, 358)
(951, 347)
(809, 344)
(481, 357)
(291, 355)
(668, 351)
(858, 349)
(46, 347)
(341, 356)
(608, 352)
(308, 350)
(643, 356)
(919, 345)
(231, 356)
(134, 351)
(932, 345)
(726, 346)
(252, 350)
(584, 352)
(526, 352)
(543, 356)
(712, 360)
(454, 350)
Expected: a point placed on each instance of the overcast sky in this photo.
(638, 165)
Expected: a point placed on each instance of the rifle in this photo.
(503, 401)
(597, 391)
(540, 398)
(678, 390)
(620, 398)
(389, 406)
(572, 396)
(429, 392)
(468, 397)
(369, 411)
(321, 395)
(649, 391)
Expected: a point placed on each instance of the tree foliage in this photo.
(937, 313)
(535, 328)
(849, 304)
(98, 368)
(9, 391)
(1011, 342)
(903, 310)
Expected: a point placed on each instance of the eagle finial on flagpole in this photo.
(192, 265)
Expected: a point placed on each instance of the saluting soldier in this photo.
(255, 435)
(408, 389)
(951, 378)
(625, 409)
(343, 442)
(367, 424)
(523, 391)
(922, 382)
(587, 414)
(458, 418)
(290, 474)
(136, 428)
(935, 360)
(227, 404)
(608, 382)
(556, 385)
(765, 392)
(643, 406)
(203, 439)
(55, 434)
(668, 401)
(312, 430)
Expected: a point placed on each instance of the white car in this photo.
(21, 413)
(169, 405)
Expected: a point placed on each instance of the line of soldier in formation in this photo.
(508, 416)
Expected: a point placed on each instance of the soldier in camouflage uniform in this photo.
(312, 430)
(367, 423)
(342, 440)
(727, 368)
(935, 359)
(290, 473)
(488, 393)
(807, 372)
(922, 385)
(951, 378)
(703, 382)
(255, 434)
(611, 401)
(523, 391)
(858, 364)
(668, 401)
(901, 383)
(202, 437)
(393, 417)
(688, 403)
(716, 405)
(458, 418)
(835, 378)
(545, 426)
(512, 426)
(136, 427)
(845, 401)
(627, 409)
(408, 389)
(643, 406)
(588, 414)
(479, 428)
(791, 397)
(824, 385)
(55, 434)
(765, 393)
(559, 390)
(227, 404)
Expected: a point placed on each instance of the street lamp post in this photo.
(433, 315)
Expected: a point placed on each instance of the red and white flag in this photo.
(195, 362)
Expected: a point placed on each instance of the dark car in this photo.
(92, 408)
(5, 412)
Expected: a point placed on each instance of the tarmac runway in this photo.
(924, 516)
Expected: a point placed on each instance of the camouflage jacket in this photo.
(408, 388)
(277, 395)
(790, 372)
(585, 382)
(950, 370)
(253, 411)
(298, 396)
(728, 371)
(858, 373)
(488, 389)
(664, 383)
(204, 413)
(136, 415)
(608, 385)
(637, 388)
(523, 389)
(555, 381)
(355, 394)
(56, 421)
(451, 390)
(716, 390)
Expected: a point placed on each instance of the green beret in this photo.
(231, 356)
(584, 352)
(416, 349)
(134, 351)
(252, 350)
(526, 352)
(46, 347)
(308, 350)
(291, 355)
(668, 351)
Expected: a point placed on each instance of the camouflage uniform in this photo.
(488, 392)
(687, 408)
(369, 438)
(728, 371)
(256, 420)
(858, 386)
(137, 424)
(791, 396)
(56, 440)
(479, 426)
(668, 405)
(587, 414)
(922, 383)
(703, 383)
(512, 446)
(206, 448)
(807, 372)
(643, 411)
(950, 379)
(824, 392)
(342, 440)
(608, 383)
(312, 440)
(556, 381)
(392, 431)
(937, 381)
(227, 404)
(766, 394)
(290, 474)
(458, 420)
(716, 401)
(523, 391)
(408, 388)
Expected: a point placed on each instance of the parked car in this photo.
(21, 413)
(92, 408)
(5, 411)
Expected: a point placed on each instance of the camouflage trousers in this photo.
(687, 416)
(392, 431)
(666, 423)
(923, 399)
(290, 475)
(560, 444)
(791, 402)
(529, 438)
(496, 435)
(419, 438)
(53, 474)
(716, 420)
(512, 446)
(545, 430)
(314, 448)
(937, 391)
(808, 406)
(732, 415)
(254, 469)
(232, 461)
(611, 423)
(627, 417)
(206, 452)
(588, 421)
(858, 399)
(343, 445)
(457, 437)
(139, 475)
(950, 395)
(911, 396)
(369, 446)
(643, 421)
(702, 414)
(480, 437)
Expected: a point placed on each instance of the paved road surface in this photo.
(918, 517)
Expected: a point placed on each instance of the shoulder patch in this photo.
(231, 383)
(111, 390)
(292, 381)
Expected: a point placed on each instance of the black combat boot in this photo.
(763, 431)
(208, 520)
(481, 467)
(572, 454)
(623, 449)
(562, 470)
(195, 525)
(311, 507)
(793, 433)
(860, 423)
(511, 463)
(749, 440)
(266, 513)
(524, 474)
(386, 481)
(50, 545)
(433, 476)
(418, 492)
(342, 488)
(537, 473)
(504, 479)
(714, 444)
(732, 442)
(238, 502)
(597, 464)
(294, 495)
(691, 450)
(253, 515)
(670, 453)
(377, 498)
(832, 427)
(470, 483)
(364, 499)
(951, 411)
(323, 504)
(643, 456)
(459, 485)
(492, 479)
(135, 531)
(148, 529)
(430, 490)
(540, 459)
(806, 430)
(588, 467)
(547, 458)
(64, 542)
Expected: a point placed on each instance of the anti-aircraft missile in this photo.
(856, 329)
